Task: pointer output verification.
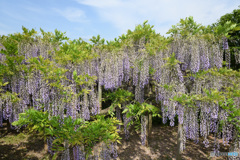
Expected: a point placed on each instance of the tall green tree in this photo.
(234, 35)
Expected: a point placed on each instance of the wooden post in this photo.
(147, 131)
(97, 149)
(8, 126)
(179, 141)
(119, 116)
(235, 146)
(150, 114)
(150, 123)
(100, 96)
(145, 128)
(66, 154)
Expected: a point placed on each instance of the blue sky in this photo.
(108, 18)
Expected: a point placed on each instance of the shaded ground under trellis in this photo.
(162, 145)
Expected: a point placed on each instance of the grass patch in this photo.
(13, 139)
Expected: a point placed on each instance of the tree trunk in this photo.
(179, 142)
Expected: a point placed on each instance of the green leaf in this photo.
(125, 110)
(55, 156)
(4, 84)
(75, 75)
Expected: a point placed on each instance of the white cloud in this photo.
(5, 32)
(125, 14)
(13, 15)
(35, 9)
(72, 14)
(3, 26)
(101, 3)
